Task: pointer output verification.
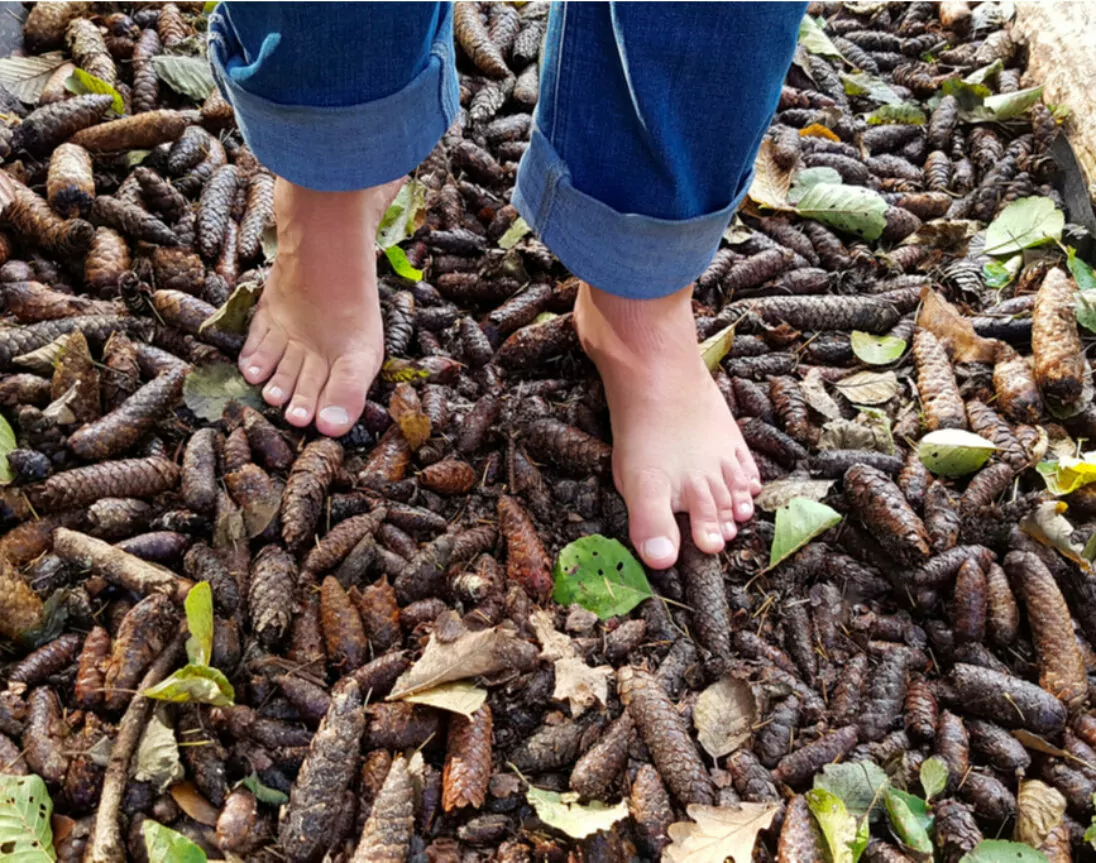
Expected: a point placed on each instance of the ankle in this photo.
(635, 331)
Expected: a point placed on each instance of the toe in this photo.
(343, 397)
(724, 503)
(741, 492)
(704, 516)
(749, 470)
(281, 385)
(260, 364)
(651, 522)
(302, 407)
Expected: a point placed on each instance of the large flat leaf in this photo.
(869, 388)
(954, 452)
(876, 350)
(1081, 271)
(1000, 851)
(797, 524)
(82, 83)
(770, 184)
(1005, 106)
(845, 838)
(718, 833)
(852, 209)
(866, 84)
(164, 845)
(189, 76)
(1024, 223)
(724, 716)
(24, 77)
(25, 809)
(194, 684)
(601, 575)
(860, 784)
(457, 696)
(209, 389)
(564, 812)
(808, 178)
(814, 38)
(909, 819)
(934, 776)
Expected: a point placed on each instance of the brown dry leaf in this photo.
(456, 697)
(192, 802)
(42, 360)
(770, 183)
(581, 685)
(869, 388)
(719, 833)
(814, 391)
(949, 234)
(780, 492)
(1039, 809)
(1048, 525)
(943, 320)
(468, 655)
(406, 410)
(724, 716)
(554, 644)
(157, 759)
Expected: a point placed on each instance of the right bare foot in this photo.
(317, 336)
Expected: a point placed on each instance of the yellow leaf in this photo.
(457, 697)
(1072, 473)
(771, 182)
(817, 130)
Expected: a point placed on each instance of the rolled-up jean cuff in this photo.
(344, 148)
(626, 254)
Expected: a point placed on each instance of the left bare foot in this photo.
(676, 447)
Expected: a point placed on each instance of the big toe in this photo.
(343, 397)
(652, 527)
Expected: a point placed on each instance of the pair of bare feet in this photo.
(317, 343)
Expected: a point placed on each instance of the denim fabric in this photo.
(649, 118)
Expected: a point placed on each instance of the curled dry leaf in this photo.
(724, 716)
(943, 320)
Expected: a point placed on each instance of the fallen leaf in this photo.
(1047, 524)
(194, 684)
(518, 229)
(7, 444)
(859, 784)
(199, 621)
(26, 834)
(818, 398)
(1038, 743)
(869, 431)
(905, 113)
(797, 524)
(208, 389)
(943, 320)
(457, 696)
(868, 388)
(188, 76)
(724, 716)
(232, 316)
(82, 83)
(601, 575)
(468, 655)
(948, 234)
(25, 77)
(909, 820)
(876, 350)
(1000, 274)
(717, 833)
(780, 492)
(813, 38)
(406, 410)
(157, 760)
(1039, 809)
(553, 643)
(934, 776)
(852, 209)
(263, 793)
(817, 130)
(191, 801)
(581, 685)
(1000, 851)
(1070, 473)
(260, 509)
(1024, 223)
(564, 812)
(402, 218)
(839, 828)
(714, 348)
(269, 243)
(770, 184)
(42, 360)
(401, 266)
(954, 452)
(164, 845)
(870, 86)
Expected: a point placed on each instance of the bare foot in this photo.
(317, 337)
(676, 447)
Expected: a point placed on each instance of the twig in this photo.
(108, 845)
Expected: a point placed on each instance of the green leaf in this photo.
(232, 316)
(999, 274)
(189, 76)
(797, 524)
(876, 350)
(1005, 106)
(164, 845)
(714, 348)
(263, 793)
(986, 73)
(563, 812)
(136, 157)
(969, 96)
(809, 177)
(402, 218)
(954, 452)
(515, 232)
(81, 83)
(397, 257)
(1081, 271)
(1000, 851)
(1024, 223)
(208, 8)
(194, 684)
(601, 575)
(208, 389)
(866, 84)
(910, 819)
(199, 620)
(25, 810)
(845, 838)
(860, 784)
(7, 444)
(905, 113)
(814, 39)
(1086, 310)
(24, 77)
(934, 776)
(157, 759)
(852, 209)
(1090, 833)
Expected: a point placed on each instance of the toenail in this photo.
(253, 370)
(714, 537)
(745, 510)
(274, 392)
(728, 527)
(658, 548)
(334, 415)
(298, 413)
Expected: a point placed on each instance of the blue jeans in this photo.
(649, 118)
